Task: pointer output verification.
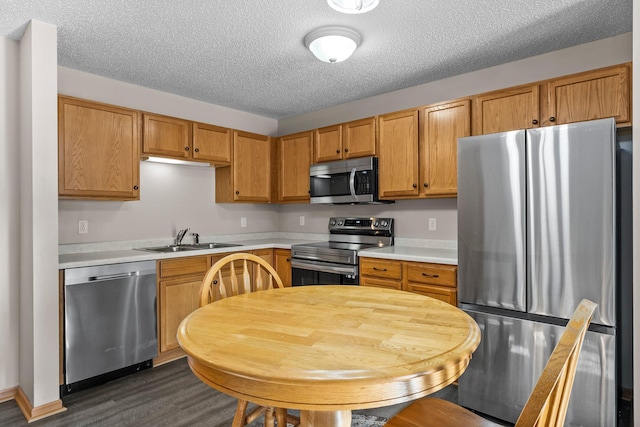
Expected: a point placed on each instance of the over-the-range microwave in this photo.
(353, 181)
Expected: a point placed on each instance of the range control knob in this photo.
(332, 222)
(375, 224)
(340, 222)
(384, 223)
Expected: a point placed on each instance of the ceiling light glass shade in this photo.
(332, 44)
(353, 6)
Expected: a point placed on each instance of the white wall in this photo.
(38, 370)
(9, 214)
(614, 50)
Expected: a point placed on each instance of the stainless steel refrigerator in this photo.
(537, 233)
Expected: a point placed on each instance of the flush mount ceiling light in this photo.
(332, 44)
(353, 6)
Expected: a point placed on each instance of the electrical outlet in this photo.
(432, 224)
(243, 221)
(302, 220)
(83, 226)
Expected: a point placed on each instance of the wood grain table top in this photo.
(328, 348)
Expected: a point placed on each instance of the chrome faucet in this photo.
(180, 235)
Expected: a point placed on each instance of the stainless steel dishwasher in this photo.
(110, 319)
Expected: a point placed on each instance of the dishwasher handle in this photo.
(113, 276)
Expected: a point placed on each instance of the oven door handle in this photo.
(352, 183)
(324, 267)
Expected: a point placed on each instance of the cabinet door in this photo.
(98, 151)
(442, 125)
(592, 95)
(212, 143)
(178, 298)
(398, 155)
(294, 160)
(166, 136)
(359, 138)
(505, 110)
(283, 265)
(327, 144)
(251, 167)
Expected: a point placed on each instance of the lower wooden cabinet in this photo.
(179, 282)
(434, 280)
(282, 264)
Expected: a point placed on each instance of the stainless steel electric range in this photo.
(336, 262)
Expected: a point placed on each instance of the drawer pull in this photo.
(379, 269)
(435, 276)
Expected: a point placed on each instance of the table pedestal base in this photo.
(325, 418)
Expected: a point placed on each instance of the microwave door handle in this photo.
(352, 183)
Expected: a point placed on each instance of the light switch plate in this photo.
(83, 226)
(432, 224)
(302, 220)
(243, 221)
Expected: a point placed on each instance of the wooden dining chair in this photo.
(547, 403)
(224, 279)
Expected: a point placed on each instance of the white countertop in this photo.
(412, 253)
(85, 259)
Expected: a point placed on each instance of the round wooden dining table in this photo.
(327, 350)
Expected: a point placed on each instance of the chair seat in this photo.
(432, 412)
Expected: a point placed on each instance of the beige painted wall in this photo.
(9, 214)
(575, 59)
(636, 215)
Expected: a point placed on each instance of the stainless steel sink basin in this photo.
(184, 248)
(213, 245)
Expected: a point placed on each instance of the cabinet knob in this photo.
(415, 185)
(215, 282)
(197, 150)
(346, 150)
(135, 187)
(186, 148)
(426, 185)
(288, 259)
(535, 122)
(337, 151)
(552, 119)
(237, 192)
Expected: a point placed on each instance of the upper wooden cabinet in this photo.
(440, 127)
(595, 94)
(591, 95)
(98, 151)
(345, 141)
(418, 150)
(248, 179)
(507, 109)
(398, 172)
(183, 139)
(293, 154)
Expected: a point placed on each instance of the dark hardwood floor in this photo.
(168, 395)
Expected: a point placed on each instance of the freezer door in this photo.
(571, 219)
(491, 220)
(511, 357)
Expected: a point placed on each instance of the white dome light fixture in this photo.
(353, 6)
(332, 44)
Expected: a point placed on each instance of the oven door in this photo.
(305, 272)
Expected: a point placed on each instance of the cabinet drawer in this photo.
(441, 293)
(381, 283)
(434, 274)
(183, 266)
(380, 268)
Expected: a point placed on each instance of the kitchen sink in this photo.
(185, 248)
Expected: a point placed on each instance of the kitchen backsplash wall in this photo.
(171, 197)
(411, 217)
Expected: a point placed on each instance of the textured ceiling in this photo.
(249, 55)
